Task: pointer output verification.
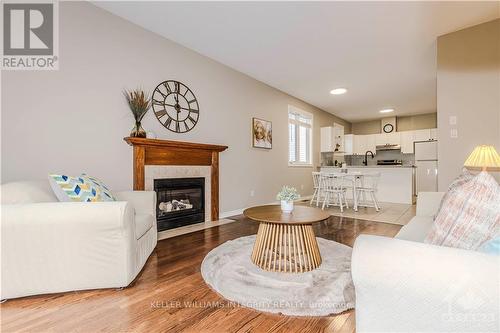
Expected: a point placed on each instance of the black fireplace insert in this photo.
(179, 202)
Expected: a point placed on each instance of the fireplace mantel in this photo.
(167, 152)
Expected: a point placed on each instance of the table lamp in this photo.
(484, 158)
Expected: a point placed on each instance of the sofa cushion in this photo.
(416, 229)
(469, 214)
(80, 189)
(26, 192)
(143, 222)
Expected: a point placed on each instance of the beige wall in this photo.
(366, 127)
(74, 120)
(420, 121)
(468, 87)
(405, 123)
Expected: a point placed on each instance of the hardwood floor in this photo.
(170, 295)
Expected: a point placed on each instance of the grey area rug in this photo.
(326, 290)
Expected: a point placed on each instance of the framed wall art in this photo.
(262, 133)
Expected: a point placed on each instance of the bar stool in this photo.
(369, 186)
(317, 188)
(334, 190)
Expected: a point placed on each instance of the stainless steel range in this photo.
(389, 162)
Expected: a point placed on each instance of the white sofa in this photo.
(405, 285)
(50, 246)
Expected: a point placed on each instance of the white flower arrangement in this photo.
(288, 193)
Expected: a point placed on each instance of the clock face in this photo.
(175, 106)
(388, 128)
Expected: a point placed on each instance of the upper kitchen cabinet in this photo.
(434, 134)
(360, 144)
(422, 134)
(349, 144)
(332, 138)
(407, 139)
(388, 138)
(326, 139)
(370, 143)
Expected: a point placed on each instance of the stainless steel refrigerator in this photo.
(426, 160)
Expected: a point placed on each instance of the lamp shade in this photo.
(484, 158)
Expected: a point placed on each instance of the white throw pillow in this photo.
(26, 192)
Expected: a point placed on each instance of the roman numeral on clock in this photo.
(162, 94)
(165, 84)
(157, 102)
(168, 122)
(160, 113)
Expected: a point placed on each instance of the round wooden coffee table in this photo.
(285, 241)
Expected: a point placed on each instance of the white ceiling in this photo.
(384, 53)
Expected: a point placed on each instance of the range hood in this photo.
(388, 147)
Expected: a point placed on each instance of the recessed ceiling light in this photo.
(386, 110)
(338, 91)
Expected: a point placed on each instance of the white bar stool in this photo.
(369, 186)
(334, 190)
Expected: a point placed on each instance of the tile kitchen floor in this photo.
(389, 212)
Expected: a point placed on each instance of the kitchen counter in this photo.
(395, 184)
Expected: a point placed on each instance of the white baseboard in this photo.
(231, 213)
(240, 211)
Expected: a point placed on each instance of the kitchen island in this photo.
(395, 184)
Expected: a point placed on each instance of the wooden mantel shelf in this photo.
(167, 152)
(172, 144)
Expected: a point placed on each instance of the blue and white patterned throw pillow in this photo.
(79, 189)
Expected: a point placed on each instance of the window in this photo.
(299, 137)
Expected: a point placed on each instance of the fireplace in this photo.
(179, 202)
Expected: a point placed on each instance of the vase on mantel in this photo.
(138, 131)
(286, 206)
(139, 103)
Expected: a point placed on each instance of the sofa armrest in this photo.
(144, 202)
(62, 246)
(408, 286)
(428, 203)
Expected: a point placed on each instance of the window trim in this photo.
(305, 114)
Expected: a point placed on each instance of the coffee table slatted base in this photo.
(286, 248)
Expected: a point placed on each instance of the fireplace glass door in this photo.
(180, 201)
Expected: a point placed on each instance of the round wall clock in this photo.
(388, 128)
(175, 106)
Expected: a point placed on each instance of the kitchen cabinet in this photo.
(349, 144)
(434, 134)
(370, 143)
(362, 143)
(326, 139)
(330, 137)
(359, 144)
(407, 139)
(388, 138)
(423, 134)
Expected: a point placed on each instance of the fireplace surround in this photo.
(179, 202)
(153, 152)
